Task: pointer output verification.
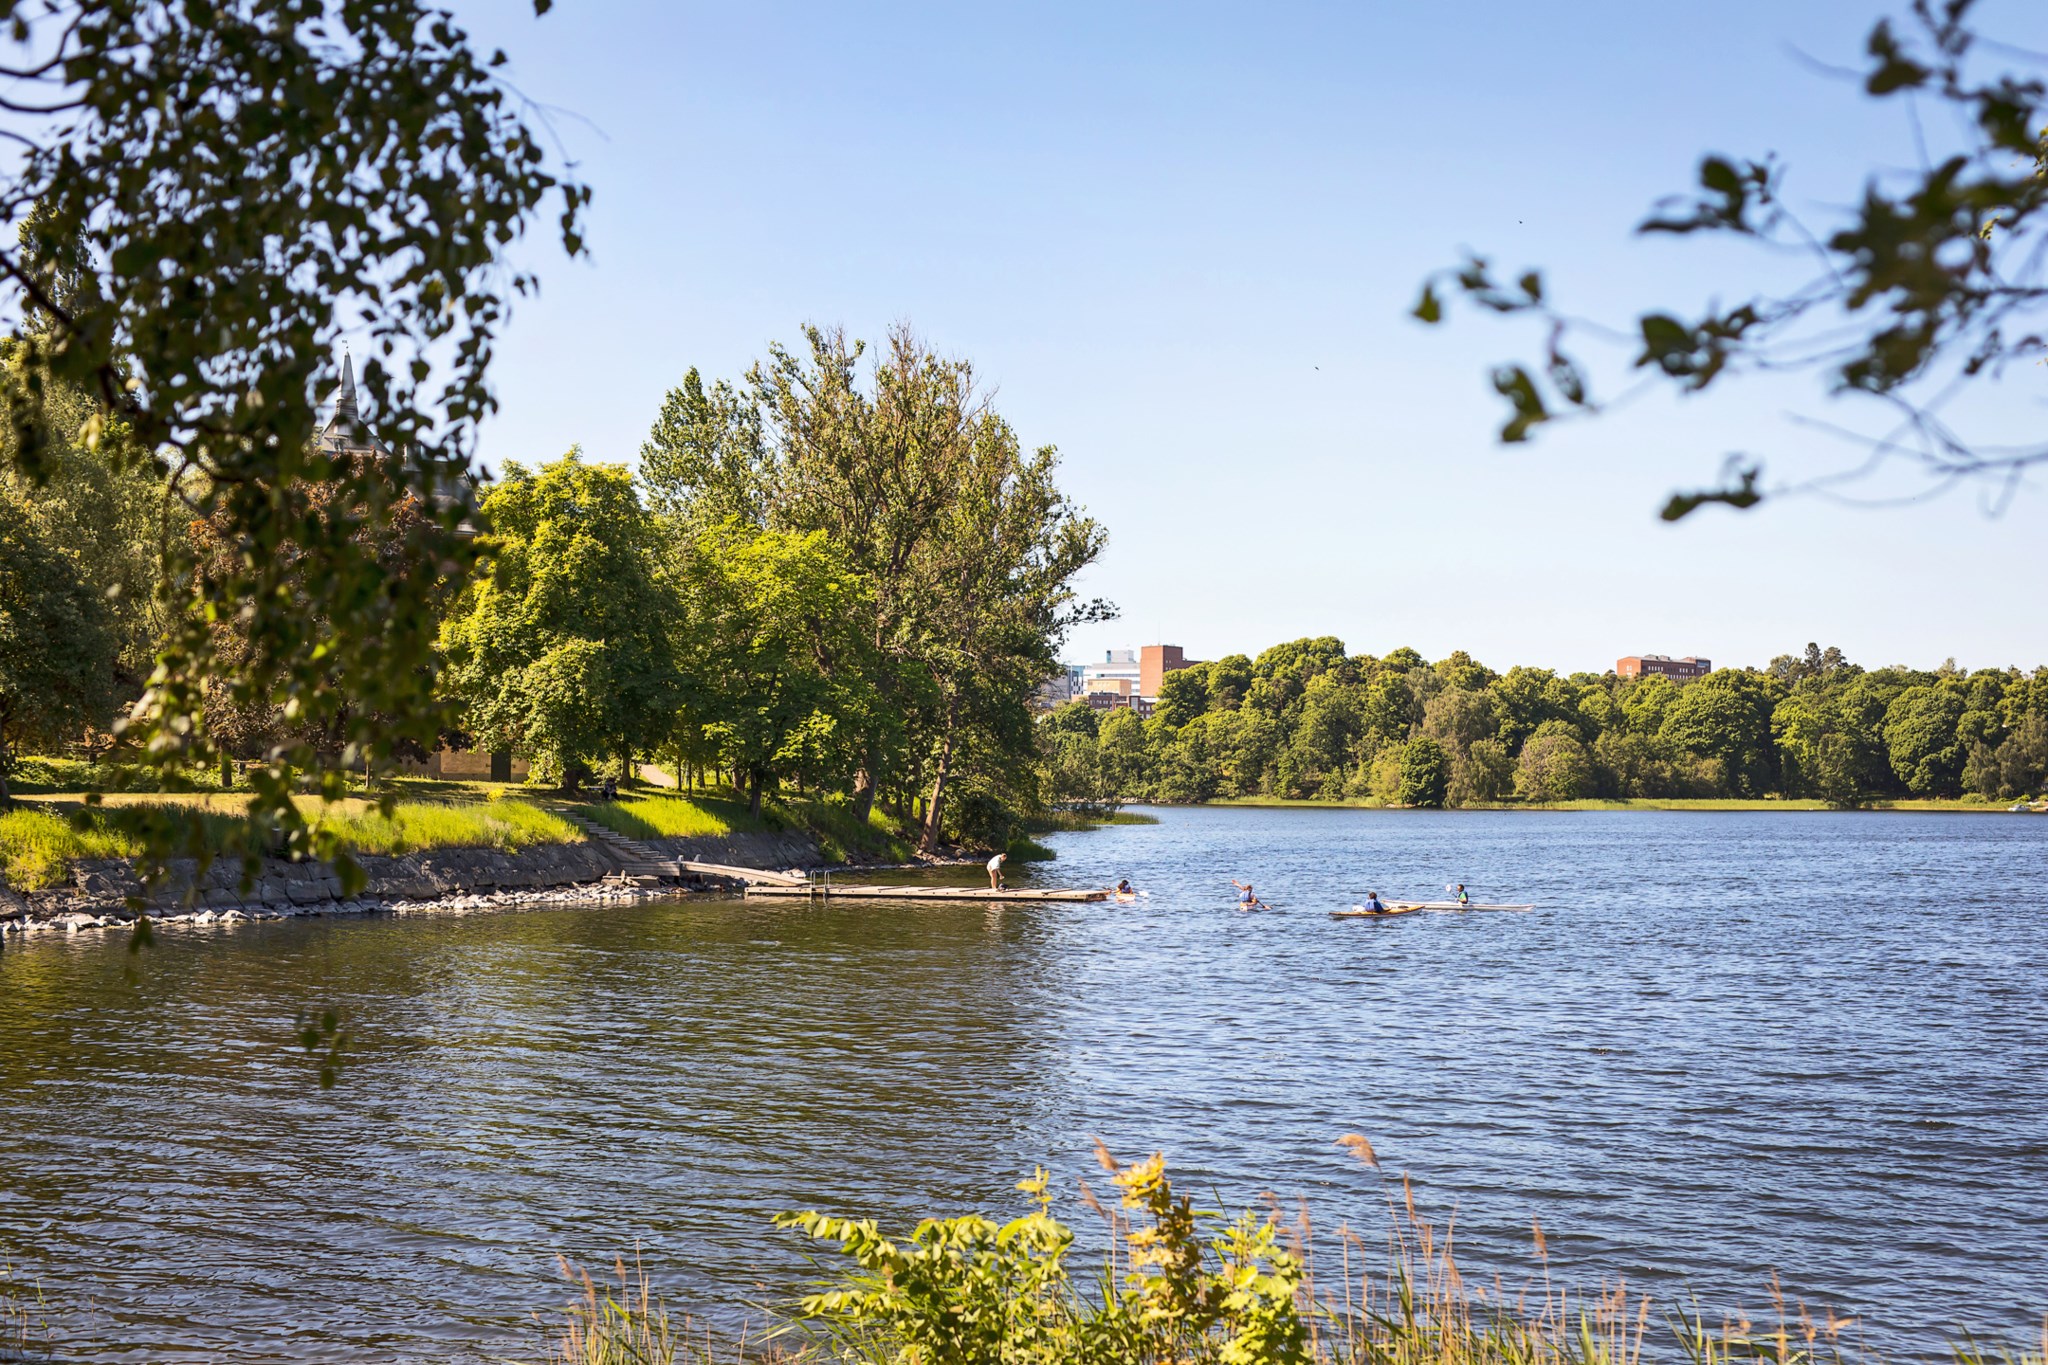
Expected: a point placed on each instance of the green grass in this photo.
(673, 817)
(841, 836)
(829, 820)
(36, 846)
(507, 824)
(38, 842)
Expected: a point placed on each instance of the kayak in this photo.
(1125, 897)
(1410, 907)
(1453, 905)
(1360, 912)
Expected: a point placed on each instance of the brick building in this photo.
(1154, 663)
(1663, 666)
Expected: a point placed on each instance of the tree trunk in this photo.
(754, 796)
(935, 810)
(864, 789)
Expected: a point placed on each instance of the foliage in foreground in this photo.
(1929, 287)
(184, 279)
(1192, 1287)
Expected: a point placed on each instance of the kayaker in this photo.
(1123, 887)
(1458, 894)
(1245, 899)
(1373, 904)
(995, 872)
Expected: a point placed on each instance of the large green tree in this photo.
(1920, 735)
(563, 651)
(779, 621)
(966, 544)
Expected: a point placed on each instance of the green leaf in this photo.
(1429, 308)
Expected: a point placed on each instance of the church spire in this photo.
(345, 395)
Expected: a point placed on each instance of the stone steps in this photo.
(635, 861)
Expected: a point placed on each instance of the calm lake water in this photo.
(1722, 1044)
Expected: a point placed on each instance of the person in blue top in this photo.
(1245, 899)
(1373, 904)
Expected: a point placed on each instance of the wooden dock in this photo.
(855, 891)
(752, 876)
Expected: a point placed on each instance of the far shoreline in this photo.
(1628, 803)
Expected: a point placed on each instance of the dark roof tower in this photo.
(342, 427)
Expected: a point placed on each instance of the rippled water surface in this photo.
(1721, 1044)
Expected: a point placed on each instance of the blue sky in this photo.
(1181, 240)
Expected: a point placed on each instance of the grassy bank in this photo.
(38, 840)
(841, 836)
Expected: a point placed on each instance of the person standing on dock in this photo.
(995, 872)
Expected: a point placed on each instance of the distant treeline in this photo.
(1307, 720)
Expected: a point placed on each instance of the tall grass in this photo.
(37, 846)
(624, 1324)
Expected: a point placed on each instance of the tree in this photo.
(1230, 677)
(1074, 718)
(704, 463)
(965, 541)
(1126, 762)
(1934, 283)
(106, 505)
(216, 192)
(1920, 737)
(563, 653)
(1483, 773)
(1554, 765)
(1726, 716)
(780, 619)
(1073, 763)
(1425, 773)
(1823, 751)
(1183, 695)
(1281, 674)
(57, 643)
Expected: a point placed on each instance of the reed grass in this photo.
(1079, 821)
(623, 1323)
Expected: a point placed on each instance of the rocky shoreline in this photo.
(443, 881)
(102, 892)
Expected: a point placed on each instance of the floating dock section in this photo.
(843, 892)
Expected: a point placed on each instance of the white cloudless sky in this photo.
(1181, 242)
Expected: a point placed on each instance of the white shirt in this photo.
(995, 864)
